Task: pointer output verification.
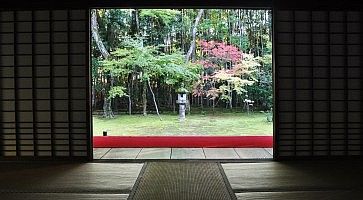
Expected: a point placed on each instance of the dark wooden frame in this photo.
(277, 4)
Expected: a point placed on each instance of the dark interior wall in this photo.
(44, 84)
(44, 74)
(318, 71)
(46, 4)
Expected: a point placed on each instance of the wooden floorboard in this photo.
(220, 153)
(294, 176)
(301, 195)
(182, 153)
(122, 153)
(187, 153)
(154, 153)
(69, 178)
(98, 153)
(62, 196)
(253, 153)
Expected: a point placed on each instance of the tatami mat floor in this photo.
(313, 180)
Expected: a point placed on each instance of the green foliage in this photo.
(150, 45)
(114, 23)
(114, 67)
(117, 91)
(155, 24)
(150, 64)
(163, 16)
(133, 58)
(95, 67)
(261, 91)
(242, 42)
(224, 90)
(177, 73)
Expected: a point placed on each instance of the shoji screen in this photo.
(44, 84)
(319, 87)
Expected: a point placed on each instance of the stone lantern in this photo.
(182, 101)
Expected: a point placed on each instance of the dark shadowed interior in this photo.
(46, 147)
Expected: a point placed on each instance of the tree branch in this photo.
(156, 105)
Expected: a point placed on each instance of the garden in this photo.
(143, 58)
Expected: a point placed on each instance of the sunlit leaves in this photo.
(176, 72)
(150, 64)
(164, 16)
(117, 91)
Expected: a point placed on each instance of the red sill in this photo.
(182, 141)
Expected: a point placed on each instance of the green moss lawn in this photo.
(240, 124)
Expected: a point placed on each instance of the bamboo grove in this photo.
(141, 59)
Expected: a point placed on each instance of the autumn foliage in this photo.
(220, 51)
(226, 70)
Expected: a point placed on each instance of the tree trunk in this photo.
(129, 91)
(156, 105)
(144, 99)
(229, 28)
(96, 36)
(93, 94)
(182, 32)
(108, 113)
(230, 95)
(112, 83)
(214, 105)
(201, 102)
(137, 21)
(170, 102)
(194, 33)
(188, 105)
(240, 26)
(174, 106)
(261, 34)
(107, 110)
